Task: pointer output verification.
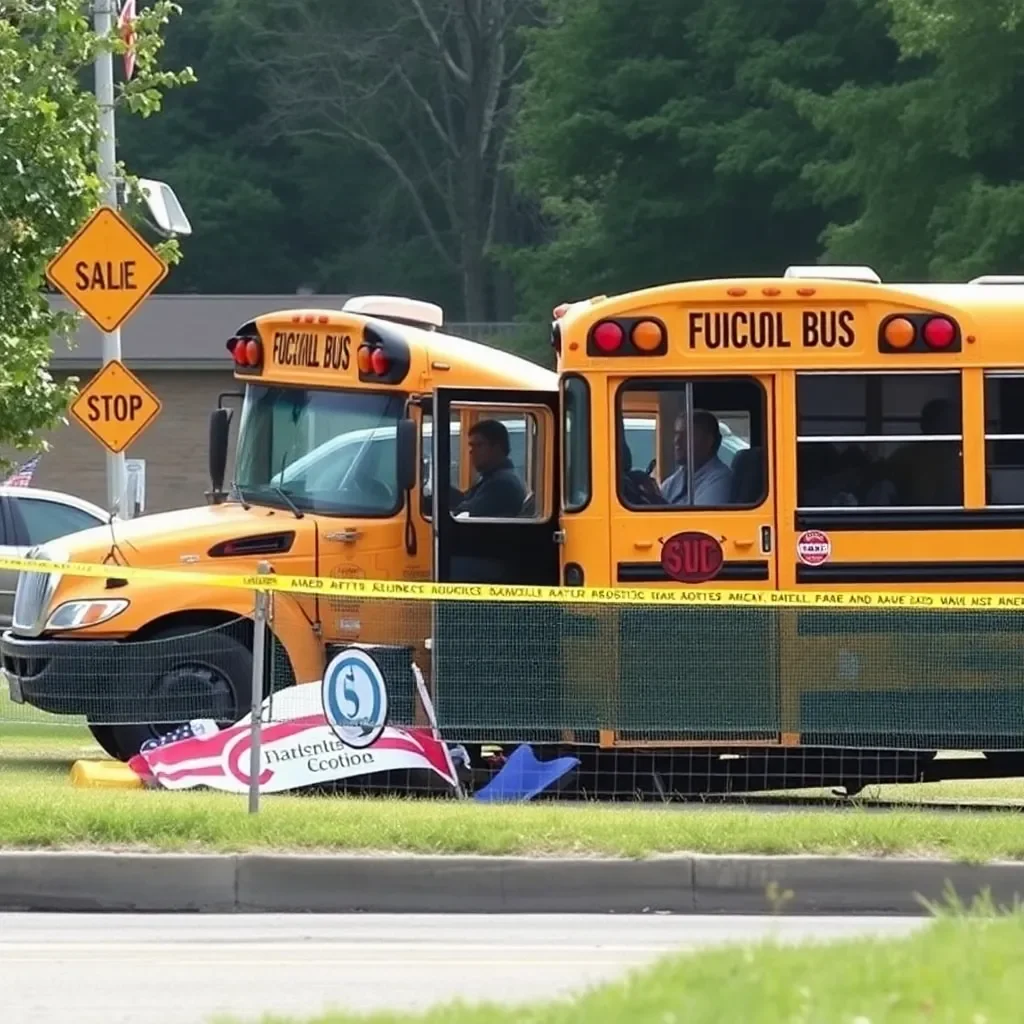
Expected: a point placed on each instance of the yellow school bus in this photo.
(330, 479)
(820, 430)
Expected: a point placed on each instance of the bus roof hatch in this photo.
(997, 279)
(414, 312)
(835, 273)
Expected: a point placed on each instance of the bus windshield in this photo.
(330, 452)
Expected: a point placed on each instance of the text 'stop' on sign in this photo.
(107, 269)
(115, 407)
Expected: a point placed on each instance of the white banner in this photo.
(297, 748)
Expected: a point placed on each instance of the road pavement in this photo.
(122, 968)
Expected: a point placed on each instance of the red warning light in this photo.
(608, 335)
(379, 362)
(939, 332)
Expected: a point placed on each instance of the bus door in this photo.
(479, 542)
(700, 514)
(496, 665)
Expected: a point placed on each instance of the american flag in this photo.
(182, 732)
(126, 28)
(23, 476)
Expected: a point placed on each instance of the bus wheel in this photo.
(218, 684)
(104, 736)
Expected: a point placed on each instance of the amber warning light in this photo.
(919, 332)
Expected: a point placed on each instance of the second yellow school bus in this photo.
(818, 431)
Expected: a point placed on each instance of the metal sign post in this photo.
(106, 167)
(259, 637)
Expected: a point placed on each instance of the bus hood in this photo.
(223, 538)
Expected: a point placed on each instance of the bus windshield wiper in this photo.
(279, 491)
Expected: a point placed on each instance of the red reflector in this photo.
(379, 362)
(608, 336)
(939, 332)
(253, 352)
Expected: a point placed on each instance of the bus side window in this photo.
(426, 460)
(722, 423)
(874, 440)
(517, 478)
(1004, 438)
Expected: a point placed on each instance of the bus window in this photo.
(513, 444)
(1004, 438)
(427, 455)
(576, 444)
(721, 423)
(879, 440)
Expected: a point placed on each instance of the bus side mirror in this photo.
(220, 423)
(406, 441)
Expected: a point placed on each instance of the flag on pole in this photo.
(126, 27)
(22, 477)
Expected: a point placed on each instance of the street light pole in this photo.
(106, 166)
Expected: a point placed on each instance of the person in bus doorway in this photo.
(712, 478)
(499, 493)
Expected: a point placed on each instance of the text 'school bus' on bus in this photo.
(820, 430)
(329, 478)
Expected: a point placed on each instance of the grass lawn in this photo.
(956, 969)
(40, 809)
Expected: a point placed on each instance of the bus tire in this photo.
(104, 736)
(228, 674)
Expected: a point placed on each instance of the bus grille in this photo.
(32, 597)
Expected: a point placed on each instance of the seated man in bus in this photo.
(499, 493)
(929, 473)
(712, 478)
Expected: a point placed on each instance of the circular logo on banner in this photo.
(692, 557)
(355, 698)
(813, 547)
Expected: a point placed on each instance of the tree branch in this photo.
(458, 73)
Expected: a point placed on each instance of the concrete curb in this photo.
(293, 883)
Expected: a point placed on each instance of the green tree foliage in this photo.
(48, 184)
(929, 163)
(421, 90)
(661, 140)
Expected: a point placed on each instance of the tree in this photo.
(924, 170)
(48, 184)
(424, 88)
(661, 142)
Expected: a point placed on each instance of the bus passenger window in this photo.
(877, 440)
(507, 457)
(721, 424)
(1004, 438)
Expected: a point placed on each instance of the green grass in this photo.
(958, 968)
(40, 809)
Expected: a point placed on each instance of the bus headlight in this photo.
(76, 614)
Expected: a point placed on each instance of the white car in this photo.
(30, 516)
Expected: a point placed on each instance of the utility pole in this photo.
(106, 166)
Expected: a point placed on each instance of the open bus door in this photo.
(519, 548)
(496, 664)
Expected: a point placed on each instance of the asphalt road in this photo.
(123, 969)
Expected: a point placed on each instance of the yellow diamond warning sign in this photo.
(107, 270)
(115, 407)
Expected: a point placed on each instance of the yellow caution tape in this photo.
(426, 591)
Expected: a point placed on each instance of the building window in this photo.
(879, 440)
(1004, 438)
(575, 444)
(692, 444)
